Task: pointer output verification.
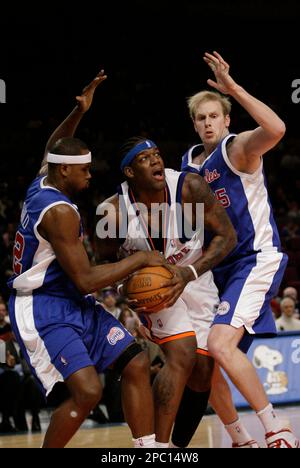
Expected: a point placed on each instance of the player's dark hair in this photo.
(67, 145)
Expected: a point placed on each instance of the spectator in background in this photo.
(123, 304)
(287, 321)
(5, 328)
(18, 388)
(10, 384)
(109, 302)
(293, 294)
(30, 395)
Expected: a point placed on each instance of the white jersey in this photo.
(194, 311)
(179, 249)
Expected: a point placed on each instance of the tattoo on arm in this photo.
(216, 221)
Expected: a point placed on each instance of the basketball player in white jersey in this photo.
(250, 276)
(181, 328)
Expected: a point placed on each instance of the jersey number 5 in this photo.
(18, 253)
(223, 198)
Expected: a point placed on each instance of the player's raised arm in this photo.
(249, 146)
(68, 127)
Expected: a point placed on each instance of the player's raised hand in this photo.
(224, 83)
(84, 101)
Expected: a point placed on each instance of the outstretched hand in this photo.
(84, 101)
(224, 83)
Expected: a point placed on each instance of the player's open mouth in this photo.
(159, 175)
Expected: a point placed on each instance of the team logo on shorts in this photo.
(64, 361)
(223, 308)
(115, 334)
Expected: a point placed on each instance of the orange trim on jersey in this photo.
(203, 352)
(174, 337)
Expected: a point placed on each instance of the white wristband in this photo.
(193, 270)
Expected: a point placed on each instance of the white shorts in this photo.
(191, 315)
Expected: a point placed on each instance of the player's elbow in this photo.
(83, 285)
(280, 130)
(84, 289)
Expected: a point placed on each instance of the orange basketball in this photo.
(144, 286)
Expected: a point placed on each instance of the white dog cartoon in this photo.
(268, 358)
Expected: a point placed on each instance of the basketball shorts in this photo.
(59, 336)
(246, 288)
(191, 315)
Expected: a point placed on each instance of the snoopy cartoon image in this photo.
(268, 358)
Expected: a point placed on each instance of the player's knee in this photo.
(88, 396)
(133, 361)
(219, 349)
(181, 358)
(138, 366)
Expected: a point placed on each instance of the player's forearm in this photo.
(105, 275)
(260, 112)
(218, 249)
(66, 129)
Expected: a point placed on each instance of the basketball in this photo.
(144, 286)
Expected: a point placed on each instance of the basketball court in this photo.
(210, 433)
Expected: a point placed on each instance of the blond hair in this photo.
(204, 96)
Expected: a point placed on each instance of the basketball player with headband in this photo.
(64, 334)
(182, 327)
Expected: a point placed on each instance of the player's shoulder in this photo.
(39, 197)
(112, 200)
(192, 179)
(61, 216)
(193, 185)
(187, 159)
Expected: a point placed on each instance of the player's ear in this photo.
(65, 169)
(128, 171)
(227, 120)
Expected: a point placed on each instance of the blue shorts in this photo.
(58, 336)
(246, 287)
